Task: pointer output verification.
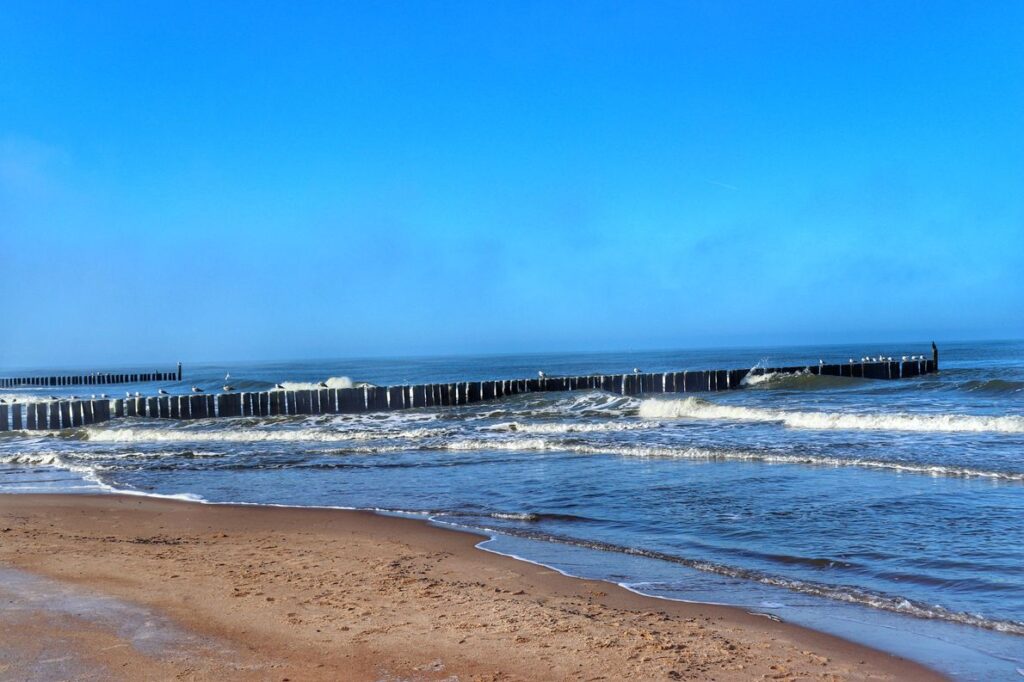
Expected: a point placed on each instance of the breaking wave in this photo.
(696, 408)
(798, 381)
(252, 435)
(332, 382)
(572, 427)
(713, 455)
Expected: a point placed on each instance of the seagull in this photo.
(279, 387)
(540, 374)
(851, 359)
(636, 370)
(821, 362)
(162, 392)
(196, 389)
(103, 395)
(322, 384)
(127, 394)
(904, 358)
(227, 388)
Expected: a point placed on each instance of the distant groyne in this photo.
(73, 413)
(94, 379)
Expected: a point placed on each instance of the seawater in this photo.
(889, 512)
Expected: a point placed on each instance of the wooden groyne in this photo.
(94, 379)
(68, 413)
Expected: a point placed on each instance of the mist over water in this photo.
(840, 503)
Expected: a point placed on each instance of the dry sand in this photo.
(119, 587)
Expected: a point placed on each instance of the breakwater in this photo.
(93, 379)
(72, 413)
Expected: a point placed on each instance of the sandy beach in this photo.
(114, 587)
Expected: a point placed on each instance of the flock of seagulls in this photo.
(882, 358)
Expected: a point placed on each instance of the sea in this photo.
(887, 512)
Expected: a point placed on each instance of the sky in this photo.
(244, 181)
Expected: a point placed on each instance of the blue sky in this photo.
(181, 181)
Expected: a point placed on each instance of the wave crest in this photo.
(253, 435)
(570, 427)
(332, 382)
(696, 408)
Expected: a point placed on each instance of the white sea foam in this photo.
(32, 459)
(571, 427)
(442, 440)
(253, 435)
(711, 455)
(696, 408)
(182, 497)
(770, 377)
(332, 382)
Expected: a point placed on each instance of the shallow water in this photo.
(856, 506)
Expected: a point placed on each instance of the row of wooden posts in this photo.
(64, 414)
(94, 379)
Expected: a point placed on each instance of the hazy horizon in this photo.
(911, 346)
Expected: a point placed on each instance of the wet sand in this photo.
(124, 587)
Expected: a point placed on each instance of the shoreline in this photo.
(315, 593)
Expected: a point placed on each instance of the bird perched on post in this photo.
(322, 384)
(162, 392)
(228, 389)
(196, 389)
(279, 387)
(541, 374)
